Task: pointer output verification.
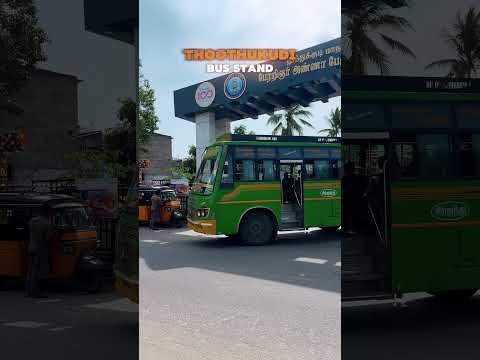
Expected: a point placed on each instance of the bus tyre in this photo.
(454, 295)
(257, 228)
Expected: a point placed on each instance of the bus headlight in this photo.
(203, 212)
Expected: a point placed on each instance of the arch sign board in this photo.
(313, 75)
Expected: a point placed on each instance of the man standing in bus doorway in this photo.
(350, 197)
(155, 210)
(286, 185)
(41, 232)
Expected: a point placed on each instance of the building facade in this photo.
(50, 124)
(159, 157)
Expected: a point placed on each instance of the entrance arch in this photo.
(212, 105)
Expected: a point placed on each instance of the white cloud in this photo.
(168, 27)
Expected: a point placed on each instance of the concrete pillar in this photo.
(208, 130)
(222, 126)
(205, 133)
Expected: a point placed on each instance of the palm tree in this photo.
(290, 121)
(464, 38)
(363, 19)
(334, 119)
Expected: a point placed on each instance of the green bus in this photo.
(415, 146)
(251, 186)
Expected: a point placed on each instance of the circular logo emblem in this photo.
(205, 94)
(235, 85)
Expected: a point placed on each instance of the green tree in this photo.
(190, 162)
(290, 121)
(242, 130)
(464, 38)
(334, 120)
(147, 120)
(21, 41)
(367, 18)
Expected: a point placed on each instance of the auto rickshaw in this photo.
(72, 246)
(145, 194)
(170, 209)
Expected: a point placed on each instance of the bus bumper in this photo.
(126, 287)
(208, 227)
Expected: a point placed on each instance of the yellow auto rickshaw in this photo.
(72, 246)
(145, 194)
(170, 211)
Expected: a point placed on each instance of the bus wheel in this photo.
(454, 295)
(256, 229)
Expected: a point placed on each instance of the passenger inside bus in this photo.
(287, 188)
(353, 203)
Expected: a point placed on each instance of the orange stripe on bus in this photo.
(323, 198)
(246, 187)
(247, 201)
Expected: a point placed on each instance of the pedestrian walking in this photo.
(41, 232)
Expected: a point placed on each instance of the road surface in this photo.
(207, 298)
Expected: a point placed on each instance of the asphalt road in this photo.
(424, 329)
(67, 325)
(206, 298)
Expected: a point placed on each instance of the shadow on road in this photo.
(283, 261)
(426, 329)
(67, 325)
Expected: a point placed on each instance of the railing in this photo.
(183, 203)
(106, 233)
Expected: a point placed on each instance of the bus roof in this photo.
(272, 139)
(373, 87)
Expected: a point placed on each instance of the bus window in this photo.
(336, 163)
(405, 161)
(244, 152)
(316, 153)
(433, 155)
(289, 153)
(266, 170)
(245, 170)
(227, 175)
(266, 152)
(469, 155)
(317, 169)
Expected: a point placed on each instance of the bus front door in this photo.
(366, 252)
(292, 194)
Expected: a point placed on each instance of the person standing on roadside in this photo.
(155, 210)
(41, 232)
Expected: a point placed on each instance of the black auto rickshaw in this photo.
(72, 246)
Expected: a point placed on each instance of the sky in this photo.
(426, 40)
(167, 27)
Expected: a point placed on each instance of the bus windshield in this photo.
(207, 172)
